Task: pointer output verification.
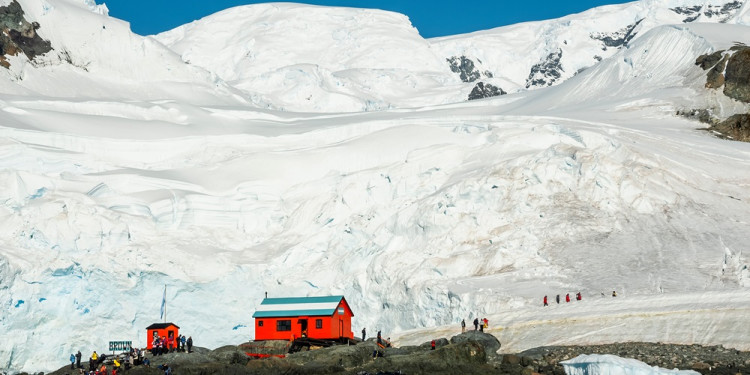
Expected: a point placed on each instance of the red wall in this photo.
(161, 332)
(333, 326)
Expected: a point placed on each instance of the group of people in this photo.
(381, 344)
(132, 357)
(162, 345)
(97, 366)
(578, 297)
(478, 324)
(567, 298)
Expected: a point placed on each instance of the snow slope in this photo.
(312, 58)
(420, 217)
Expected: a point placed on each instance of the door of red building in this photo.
(341, 328)
(303, 327)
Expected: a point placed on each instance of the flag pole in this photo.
(164, 304)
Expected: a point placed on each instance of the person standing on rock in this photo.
(72, 360)
(476, 324)
(463, 326)
(432, 345)
(380, 339)
(190, 344)
(545, 301)
(364, 333)
(78, 359)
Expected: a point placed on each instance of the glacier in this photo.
(136, 162)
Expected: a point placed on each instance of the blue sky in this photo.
(432, 18)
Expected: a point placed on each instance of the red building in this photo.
(161, 330)
(325, 318)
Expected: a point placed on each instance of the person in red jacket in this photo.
(567, 297)
(578, 296)
(545, 301)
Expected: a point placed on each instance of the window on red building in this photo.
(260, 323)
(318, 323)
(283, 325)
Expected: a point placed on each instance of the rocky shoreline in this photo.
(468, 353)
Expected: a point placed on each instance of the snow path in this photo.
(685, 318)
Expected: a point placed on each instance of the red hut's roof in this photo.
(161, 325)
(299, 306)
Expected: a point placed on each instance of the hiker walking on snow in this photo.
(476, 324)
(578, 296)
(557, 298)
(545, 301)
(567, 297)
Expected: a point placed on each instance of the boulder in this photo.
(489, 342)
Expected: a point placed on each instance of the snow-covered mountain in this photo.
(308, 58)
(540, 54)
(128, 163)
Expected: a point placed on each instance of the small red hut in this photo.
(161, 330)
(323, 318)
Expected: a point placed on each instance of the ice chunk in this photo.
(607, 364)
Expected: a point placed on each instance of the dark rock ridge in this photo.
(723, 12)
(730, 69)
(485, 90)
(618, 38)
(466, 69)
(737, 75)
(468, 353)
(546, 72)
(18, 35)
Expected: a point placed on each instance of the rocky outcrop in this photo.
(722, 12)
(730, 69)
(736, 127)
(468, 353)
(485, 90)
(466, 69)
(18, 35)
(618, 38)
(709, 60)
(546, 72)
